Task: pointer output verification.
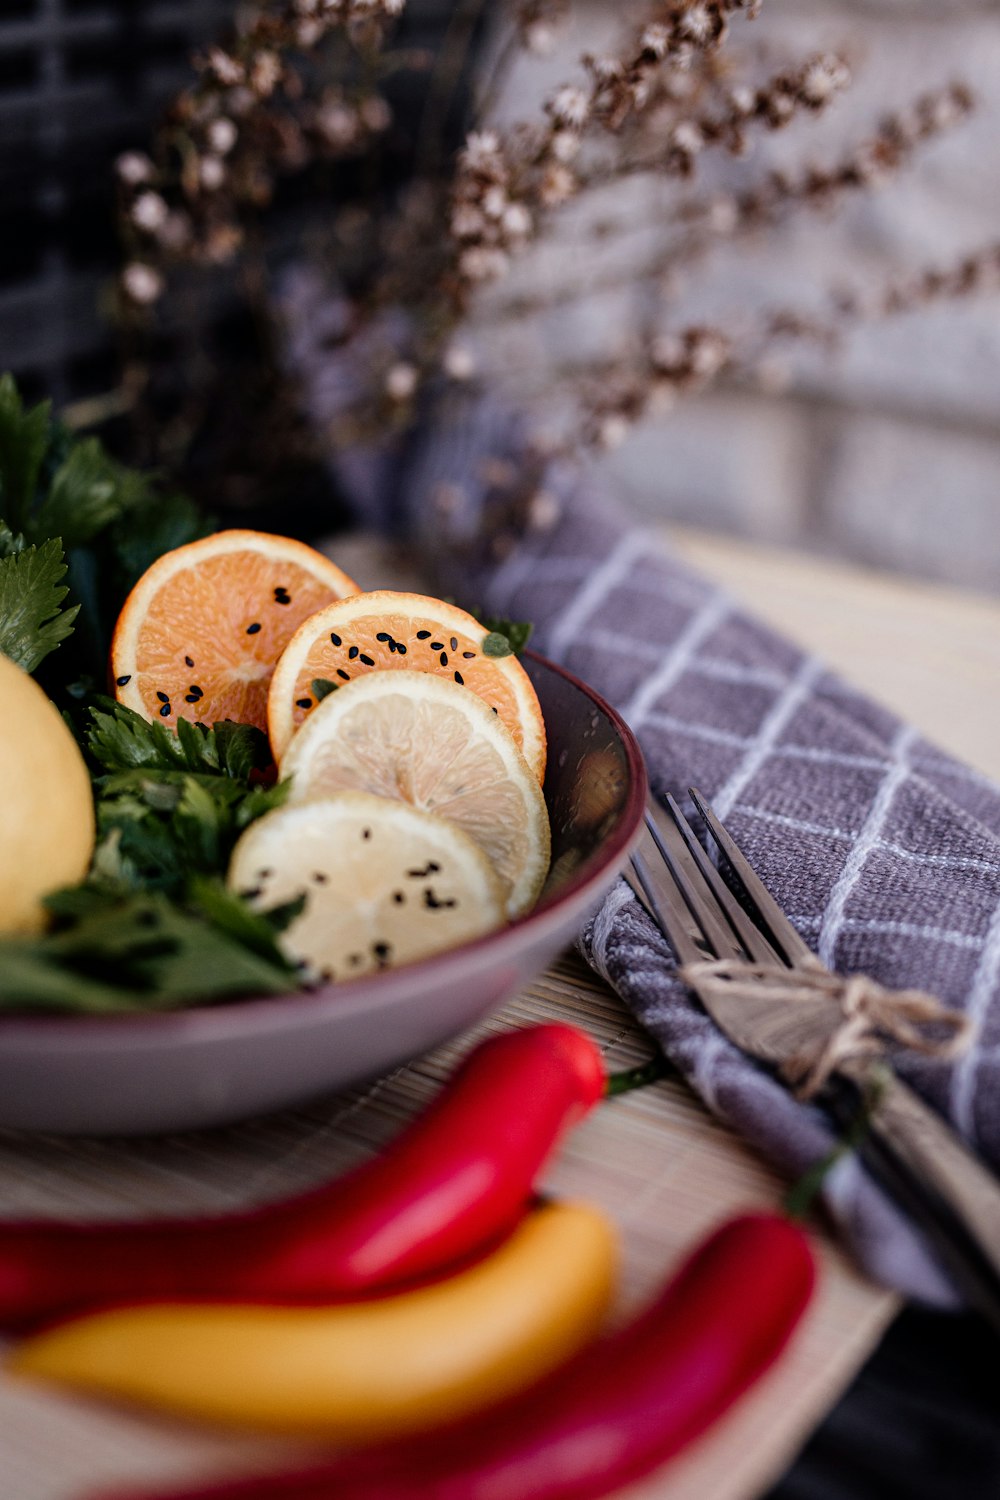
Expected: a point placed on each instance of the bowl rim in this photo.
(271, 1012)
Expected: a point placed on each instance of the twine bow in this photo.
(873, 1018)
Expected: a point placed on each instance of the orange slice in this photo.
(384, 883)
(422, 739)
(389, 631)
(200, 632)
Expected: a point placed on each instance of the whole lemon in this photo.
(46, 806)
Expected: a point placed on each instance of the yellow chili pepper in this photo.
(357, 1371)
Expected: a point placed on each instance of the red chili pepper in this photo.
(455, 1179)
(623, 1407)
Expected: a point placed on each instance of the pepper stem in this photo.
(637, 1077)
(802, 1194)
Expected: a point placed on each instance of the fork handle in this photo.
(947, 1189)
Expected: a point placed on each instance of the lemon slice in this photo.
(427, 741)
(384, 883)
(397, 632)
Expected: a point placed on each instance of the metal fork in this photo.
(906, 1147)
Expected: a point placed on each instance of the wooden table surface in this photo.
(655, 1160)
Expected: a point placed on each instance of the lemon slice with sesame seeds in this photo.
(385, 884)
(401, 632)
(427, 741)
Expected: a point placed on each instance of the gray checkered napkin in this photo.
(884, 851)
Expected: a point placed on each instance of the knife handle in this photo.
(936, 1179)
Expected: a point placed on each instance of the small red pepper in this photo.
(455, 1179)
(621, 1408)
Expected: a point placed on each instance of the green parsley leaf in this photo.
(32, 622)
(506, 637)
(24, 438)
(122, 740)
(121, 951)
(84, 497)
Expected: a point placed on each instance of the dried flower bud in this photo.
(482, 263)
(265, 74)
(494, 202)
(149, 212)
(539, 39)
(211, 173)
(655, 40)
(557, 186)
(698, 24)
(459, 362)
(227, 69)
(401, 381)
(823, 77)
(569, 106)
(134, 168)
(517, 222)
(142, 284)
(222, 135)
(337, 123)
(482, 153)
(564, 145)
(612, 430)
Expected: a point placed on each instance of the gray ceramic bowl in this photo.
(129, 1075)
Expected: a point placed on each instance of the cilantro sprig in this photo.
(75, 525)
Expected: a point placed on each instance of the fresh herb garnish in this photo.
(505, 637)
(112, 950)
(172, 804)
(110, 522)
(32, 620)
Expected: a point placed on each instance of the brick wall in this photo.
(891, 453)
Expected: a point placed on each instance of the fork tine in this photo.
(664, 901)
(750, 935)
(665, 846)
(776, 925)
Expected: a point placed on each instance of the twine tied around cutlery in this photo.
(873, 1018)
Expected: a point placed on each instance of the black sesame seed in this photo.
(367, 660)
(282, 596)
(352, 653)
(433, 903)
(431, 868)
(494, 710)
(468, 655)
(194, 688)
(304, 702)
(437, 645)
(165, 711)
(423, 635)
(454, 643)
(366, 833)
(398, 897)
(163, 697)
(121, 681)
(345, 675)
(253, 629)
(383, 635)
(400, 648)
(320, 877)
(392, 645)
(444, 658)
(459, 678)
(264, 874)
(190, 698)
(335, 639)
(189, 661)
(354, 960)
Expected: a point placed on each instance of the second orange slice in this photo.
(388, 631)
